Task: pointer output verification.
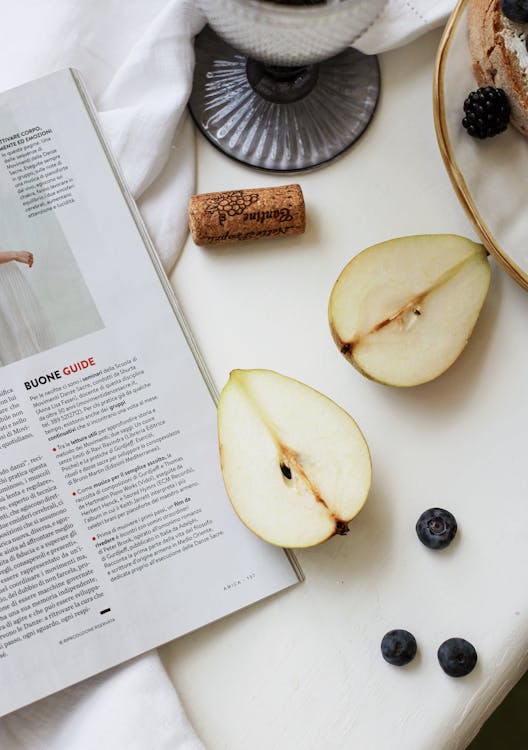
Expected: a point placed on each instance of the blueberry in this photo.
(515, 10)
(436, 528)
(398, 647)
(457, 657)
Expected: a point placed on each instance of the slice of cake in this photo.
(497, 41)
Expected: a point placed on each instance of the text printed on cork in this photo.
(239, 215)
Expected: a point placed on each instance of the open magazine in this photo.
(116, 534)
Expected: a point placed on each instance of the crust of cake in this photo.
(493, 63)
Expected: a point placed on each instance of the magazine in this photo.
(116, 534)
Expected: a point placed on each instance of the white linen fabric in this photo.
(402, 21)
(136, 58)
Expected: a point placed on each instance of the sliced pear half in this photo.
(402, 311)
(295, 465)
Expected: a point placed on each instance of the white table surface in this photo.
(303, 669)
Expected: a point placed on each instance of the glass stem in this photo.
(279, 83)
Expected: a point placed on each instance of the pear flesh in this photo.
(402, 311)
(295, 465)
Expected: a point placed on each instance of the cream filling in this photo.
(514, 36)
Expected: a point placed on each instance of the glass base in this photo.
(330, 106)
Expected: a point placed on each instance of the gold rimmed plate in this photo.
(489, 176)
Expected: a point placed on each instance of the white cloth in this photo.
(401, 21)
(131, 707)
(136, 58)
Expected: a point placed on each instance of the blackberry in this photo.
(515, 10)
(436, 528)
(398, 647)
(457, 657)
(487, 112)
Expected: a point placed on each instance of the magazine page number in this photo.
(236, 582)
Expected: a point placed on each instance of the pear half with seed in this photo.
(295, 465)
(402, 311)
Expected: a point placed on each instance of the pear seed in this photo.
(286, 471)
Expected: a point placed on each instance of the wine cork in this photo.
(238, 215)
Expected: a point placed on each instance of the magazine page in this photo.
(116, 534)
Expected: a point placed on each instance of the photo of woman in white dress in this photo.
(24, 329)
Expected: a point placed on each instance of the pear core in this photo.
(402, 311)
(295, 465)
